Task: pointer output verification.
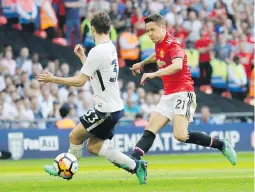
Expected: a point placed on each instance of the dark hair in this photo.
(157, 18)
(194, 11)
(80, 91)
(64, 110)
(139, 115)
(236, 59)
(17, 100)
(70, 95)
(101, 22)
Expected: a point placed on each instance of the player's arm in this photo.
(76, 81)
(79, 52)
(150, 59)
(136, 67)
(176, 66)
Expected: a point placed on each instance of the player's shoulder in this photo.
(97, 51)
(93, 52)
(171, 40)
(173, 43)
(101, 49)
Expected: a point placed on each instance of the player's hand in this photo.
(147, 76)
(136, 68)
(45, 77)
(79, 51)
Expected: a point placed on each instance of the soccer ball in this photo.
(66, 164)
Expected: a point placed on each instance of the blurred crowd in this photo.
(218, 37)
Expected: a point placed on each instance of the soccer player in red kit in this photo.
(178, 104)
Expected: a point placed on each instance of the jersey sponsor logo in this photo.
(161, 53)
(161, 63)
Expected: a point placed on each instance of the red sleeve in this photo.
(176, 51)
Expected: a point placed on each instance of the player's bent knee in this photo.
(182, 137)
(151, 128)
(75, 139)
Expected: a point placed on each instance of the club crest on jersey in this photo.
(161, 53)
(160, 63)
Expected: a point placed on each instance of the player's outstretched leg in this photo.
(180, 126)
(207, 141)
(103, 148)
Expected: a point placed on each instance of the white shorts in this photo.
(181, 103)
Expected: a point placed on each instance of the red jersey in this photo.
(166, 51)
(204, 43)
(182, 34)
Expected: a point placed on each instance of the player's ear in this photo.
(163, 28)
(93, 30)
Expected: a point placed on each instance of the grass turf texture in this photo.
(167, 173)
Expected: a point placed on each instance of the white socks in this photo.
(76, 150)
(116, 157)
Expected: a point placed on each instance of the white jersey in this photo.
(103, 69)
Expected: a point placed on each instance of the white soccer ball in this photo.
(66, 164)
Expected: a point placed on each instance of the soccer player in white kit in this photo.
(97, 126)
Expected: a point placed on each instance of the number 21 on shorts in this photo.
(180, 105)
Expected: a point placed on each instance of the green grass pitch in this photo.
(166, 173)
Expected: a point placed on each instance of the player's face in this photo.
(156, 32)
